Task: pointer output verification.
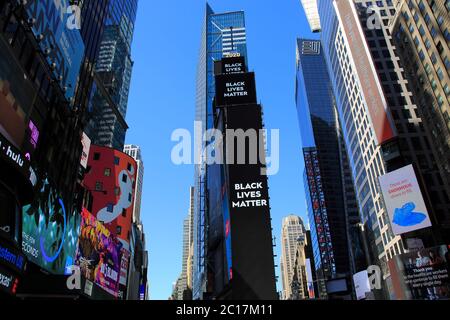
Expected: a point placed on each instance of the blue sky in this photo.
(162, 99)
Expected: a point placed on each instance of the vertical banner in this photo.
(365, 70)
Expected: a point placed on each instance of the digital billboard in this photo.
(253, 270)
(50, 231)
(16, 98)
(362, 284)
(113, 176)
(421, 274)
(235, 89)
(60, 37)
(99, 254)
(86, 143)
(404, 201)
(8, 282)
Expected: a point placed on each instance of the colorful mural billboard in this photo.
(99, 254)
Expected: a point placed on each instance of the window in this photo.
(129, 167)
(98, 186)
(116, 161)
(96, 156)
(119, 230)
(124, 178)
(110, 207)
(440, 74)
(107, 172)
(124, 213)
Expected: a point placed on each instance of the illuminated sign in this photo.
(235, 89)
(404, 201)
(99, 254)
(49, 231)
(15, 158)
(64, 45)
(8, 282)
(421, 274)
(12, 258)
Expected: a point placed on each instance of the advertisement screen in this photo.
(115, 173)
(86, 143)
(233, 65)
(421, 274)
(235, 89)
(309, 279)
(8, 282)
(99, 254)
(50, 231)
(57, 21)
(16, 98)
(249, 209)
(362, 284)
(404, 201)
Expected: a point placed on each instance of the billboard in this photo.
(253, 270)
(365, 70)
(99, 254)
(309, 279)
(86, 143)
(50, 231)
(8, 282)
(404, 201)
(16, 98)
(362, 284)
(421, 274)
(11, 258)
(113, 176)
(62, 39)
(235, 89)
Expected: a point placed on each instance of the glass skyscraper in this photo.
(222, 34)
(332, 207)
(109, 101)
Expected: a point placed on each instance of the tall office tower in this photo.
(291, 230)
(332, 205)
(240, 244)
(222, 33)
(421, 33)
(107, 126)
(379, 121)
(135, 152)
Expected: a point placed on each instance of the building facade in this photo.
(135, 152)
(355, 35)
(292, 230)
(332, 207)
(113, 70)
(421, 34)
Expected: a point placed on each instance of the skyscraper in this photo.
(222, 33)
(107, 126)
(421, 33)
(135, 152)
(291, 230)
(381, 125)
(332, 206)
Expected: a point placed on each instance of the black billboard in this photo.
(235, 89)
(253, 272)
